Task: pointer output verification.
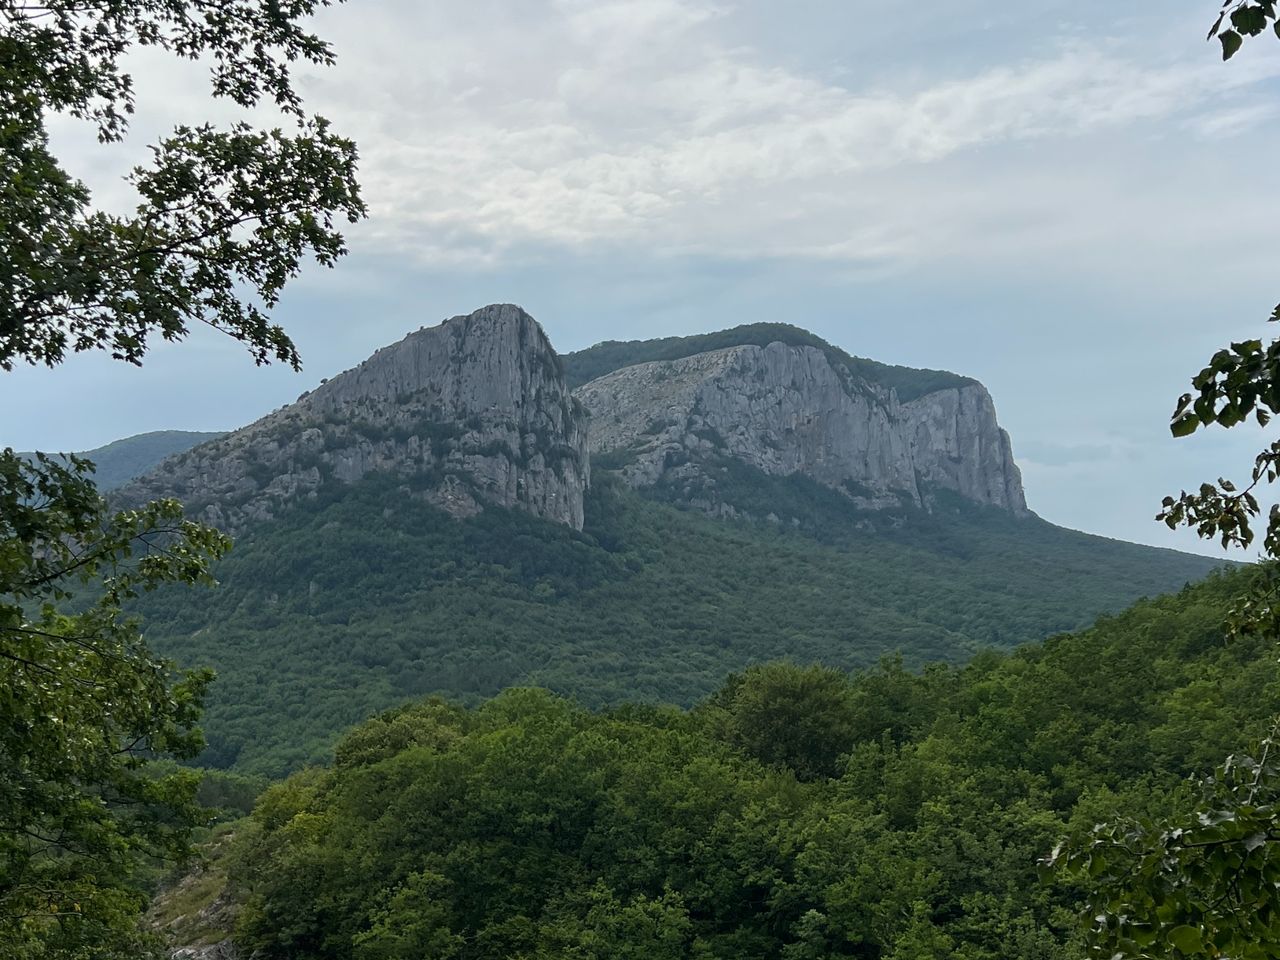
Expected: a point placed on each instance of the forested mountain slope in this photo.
(432, 521)
(796, 813)
(364, 598)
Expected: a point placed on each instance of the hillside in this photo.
(795, 813)
(120, 461)
(364, 597)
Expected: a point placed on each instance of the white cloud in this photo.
(493, 127)
(1231, 121)
(630, 123)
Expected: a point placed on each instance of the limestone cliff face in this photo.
(788, 409)
(469, 412)
(957, 444)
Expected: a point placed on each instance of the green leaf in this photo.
(1249, 20)
(1187, 939)
(1231, 42)
(1185, 425)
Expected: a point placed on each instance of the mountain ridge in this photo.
(477, 410)
(591, 363)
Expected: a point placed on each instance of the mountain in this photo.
(122, 460)
(469, 412)
(430, 522)
(788, 409)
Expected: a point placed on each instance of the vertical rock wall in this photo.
(787, 409)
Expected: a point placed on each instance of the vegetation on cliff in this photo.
(118, 462)
(603, 358)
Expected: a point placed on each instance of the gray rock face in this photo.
(471, 412)
(226, 950)
(787, 409)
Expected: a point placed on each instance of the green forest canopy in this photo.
(352, 604)
(796, 813)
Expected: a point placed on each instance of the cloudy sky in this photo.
(1066, 200)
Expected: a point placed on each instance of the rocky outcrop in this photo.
(789, 409)
(475, 411)
(471, 412)
(226, 950)
(957, 444)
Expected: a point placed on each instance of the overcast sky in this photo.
(1070, 201)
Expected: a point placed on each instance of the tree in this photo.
(797, 718)
(1239, 383)
(224, 219)
(83, 706)
(1242, 18)
(1200, 883)
(1205, 881)
(221, 212)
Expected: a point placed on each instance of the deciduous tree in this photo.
(1204, 881)
(223, 219)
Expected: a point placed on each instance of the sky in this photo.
(1066, 200)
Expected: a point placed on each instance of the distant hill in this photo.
(122, 460)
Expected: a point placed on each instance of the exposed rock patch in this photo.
(471, 412)
(786, 409)
(226, 950)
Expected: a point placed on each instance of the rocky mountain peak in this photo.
(787, 408)
(470, 412)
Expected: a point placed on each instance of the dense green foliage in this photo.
(1204, 881)
(796, 813)
(223, 220)
(585, 365)
(224, 217)
(1238, 385)
(1200, 882)
(84, 707)
(351, 604)
(118, 462)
